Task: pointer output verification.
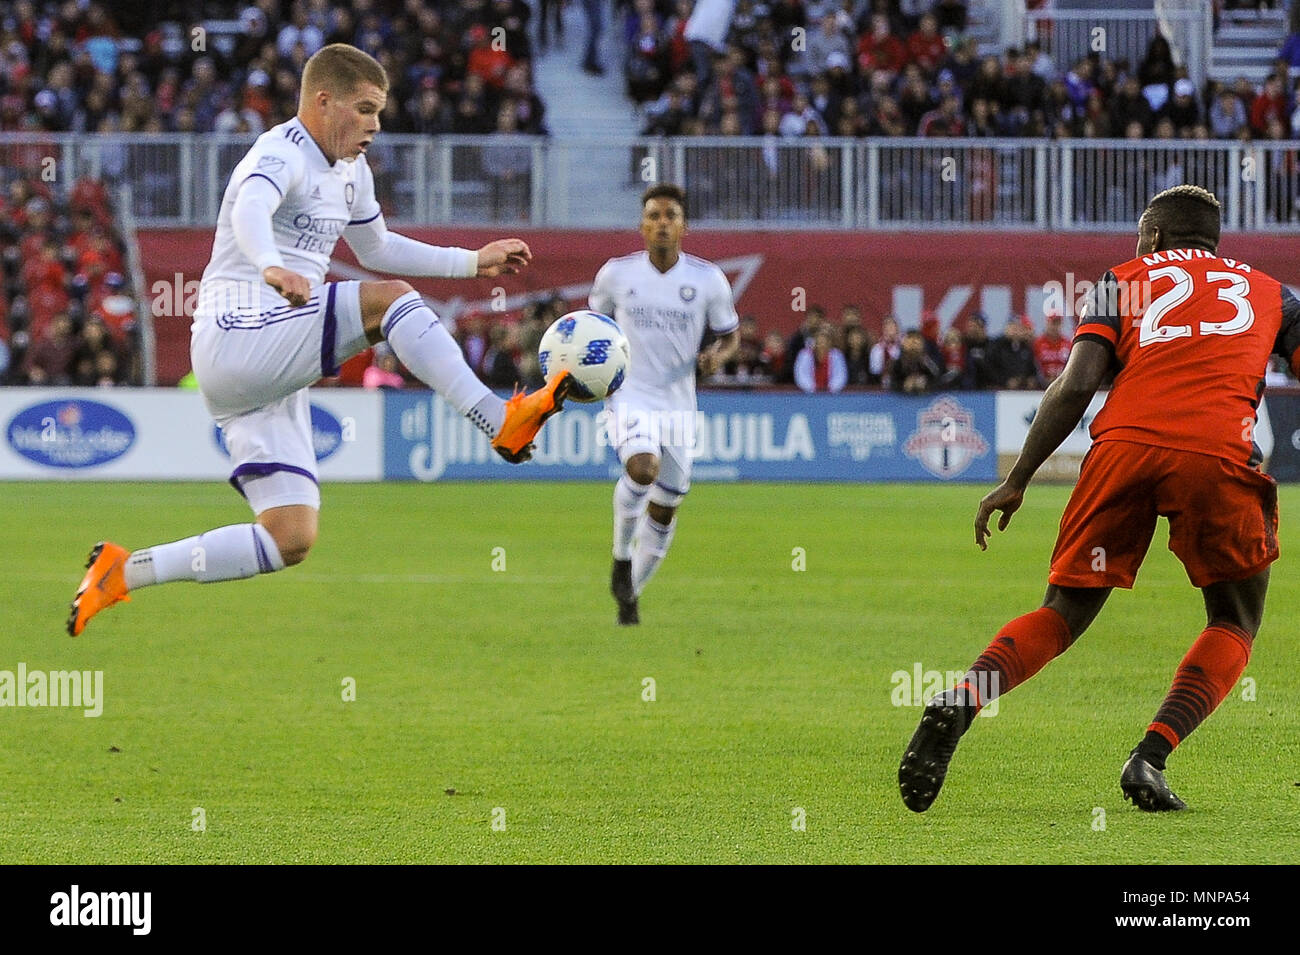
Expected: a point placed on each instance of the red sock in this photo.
(1207, 675)
(1021, 648)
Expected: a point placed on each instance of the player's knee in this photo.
(293, 534)
(643, 468)
(378, 296)
(661, 514)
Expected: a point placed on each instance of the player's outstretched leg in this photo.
(226, 553)
(631, 495)
(1022, 648)
(1205, 677)
(392, 310)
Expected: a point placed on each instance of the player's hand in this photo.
(503, 257)
(1006, 498)
(294, 287)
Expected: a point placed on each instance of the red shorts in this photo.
(1222, 516)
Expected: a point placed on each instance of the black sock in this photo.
(1155, 749)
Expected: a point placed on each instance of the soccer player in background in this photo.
(267, 325)
(663, 299)
(1188, 334)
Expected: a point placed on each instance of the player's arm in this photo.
(1288, 336)
(724, 322)
(1064, 403)
(377, 248)
(259, 195)
(720, 352)
(384, 251)
(1062, 409)
(601, 297)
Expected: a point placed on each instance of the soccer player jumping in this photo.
(662, 298)
(1188, 334)
(267, 325)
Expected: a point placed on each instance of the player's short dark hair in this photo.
(666, 190)
(341, 69)
(1185, 215)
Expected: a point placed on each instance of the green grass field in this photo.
(481, 690)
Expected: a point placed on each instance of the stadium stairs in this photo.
(580, 106)
(1246, 44)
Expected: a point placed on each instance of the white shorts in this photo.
(635, 427)
(253, 369)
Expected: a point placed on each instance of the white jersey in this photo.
(319, 202)
(663, 315)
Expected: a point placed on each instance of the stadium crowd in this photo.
(67, 314)
(796, 68)
(181, 67)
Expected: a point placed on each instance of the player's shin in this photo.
(630, 500)
(653, 541)
(423, 345)
(1203, 680)
(226, 553)
(1022, 648)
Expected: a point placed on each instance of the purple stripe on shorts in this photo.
(670, 490)
(263, 468)
(329, 331)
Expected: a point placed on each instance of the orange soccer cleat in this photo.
(103, 585)
(525, 414)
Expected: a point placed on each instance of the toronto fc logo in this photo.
(945, 441)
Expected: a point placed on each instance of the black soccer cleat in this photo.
(1145, 786)
(620, 585)
(925, 762)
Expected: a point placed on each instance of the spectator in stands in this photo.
(913, 372)
(383, 372)
(857, 356)
(529, 334)
(1011, 357)
(827, 37)
(1157, 72)
(772, 359)
(1227, 116)
(299, 31)
(498, 369)
(49, 360)
(1051, 350)
(879, 50)
(925, 47)
(550, 12)
(950, 15)
(884, 352)
(646, 63)
(1183, 110)
(820, 367)
(706, 35)
(473, 342)
(953, 355)
(473, 110)
(1269, 105)
(732, 87)
(430, 114)
(975, 342)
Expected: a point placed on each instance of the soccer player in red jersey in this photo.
(1188, 334)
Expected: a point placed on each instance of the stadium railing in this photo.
(742, 183)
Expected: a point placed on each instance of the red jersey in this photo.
(1051, 355)
(1192, 333)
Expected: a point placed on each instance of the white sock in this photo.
(630, 501)
(653, 541)
(227, 553)
(423, 345)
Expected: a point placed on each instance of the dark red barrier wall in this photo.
(901, 273)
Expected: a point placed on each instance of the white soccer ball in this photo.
(592, 347)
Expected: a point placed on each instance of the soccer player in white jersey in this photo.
(267, 325)
(662, 298)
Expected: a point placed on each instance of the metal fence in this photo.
(733, 182)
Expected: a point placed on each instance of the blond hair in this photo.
(340, 69)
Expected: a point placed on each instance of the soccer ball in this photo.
(592, 347)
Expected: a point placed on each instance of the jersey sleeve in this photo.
(601, 298)
(365, 208)
(722, 309)
(276, 160)
(1288, 336)
(1099, 320)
